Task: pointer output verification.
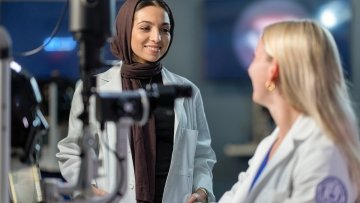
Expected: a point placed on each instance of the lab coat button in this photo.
(131, 186)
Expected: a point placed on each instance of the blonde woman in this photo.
(313, 154)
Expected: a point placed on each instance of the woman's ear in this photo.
(273, 70)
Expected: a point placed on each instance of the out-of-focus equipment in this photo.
(28, 124)
(136, 106)
(90, 22)
(22, 129)
(28, 127)
(125, 109)
(5, 58)
(25, 183)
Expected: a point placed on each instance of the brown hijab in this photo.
(143, 138)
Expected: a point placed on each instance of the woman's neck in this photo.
(284, 116)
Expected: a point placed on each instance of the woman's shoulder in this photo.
(108, 73)
(308, 135)
(320, 159)
(102, 76)
(318, 140)
(319, 146)
(171, 77)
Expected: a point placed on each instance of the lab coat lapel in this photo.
(110, 81)
(260, 153)
(285, 151)
(178, 112)
(281, 155)
(168, 79)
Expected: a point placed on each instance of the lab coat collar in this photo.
(110, 80)
(288, 145)
(305, 125)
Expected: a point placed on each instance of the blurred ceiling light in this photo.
(334, 13)
(328, 18)
(60, 44)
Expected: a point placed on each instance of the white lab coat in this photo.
(307, 167)
(192, 159)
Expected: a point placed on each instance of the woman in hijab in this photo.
(171, 158)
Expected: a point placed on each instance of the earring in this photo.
(270, 86)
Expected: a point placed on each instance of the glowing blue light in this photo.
(60, 44)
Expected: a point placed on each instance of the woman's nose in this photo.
(155, 36)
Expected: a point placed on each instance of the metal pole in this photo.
(5, 79)
(48, 161)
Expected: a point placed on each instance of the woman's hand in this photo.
(198, 196)
(99, 192)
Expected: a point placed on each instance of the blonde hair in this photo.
(312, 81)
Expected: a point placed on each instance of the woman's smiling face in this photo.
(150, 37)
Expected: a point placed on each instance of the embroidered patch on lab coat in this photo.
(331, 190)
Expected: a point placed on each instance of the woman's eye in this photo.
(165, 30)
(145, 28)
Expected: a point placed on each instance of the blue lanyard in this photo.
(261, 168)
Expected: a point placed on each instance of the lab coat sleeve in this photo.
(69, 148)
(228, 196)
(204, 155)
